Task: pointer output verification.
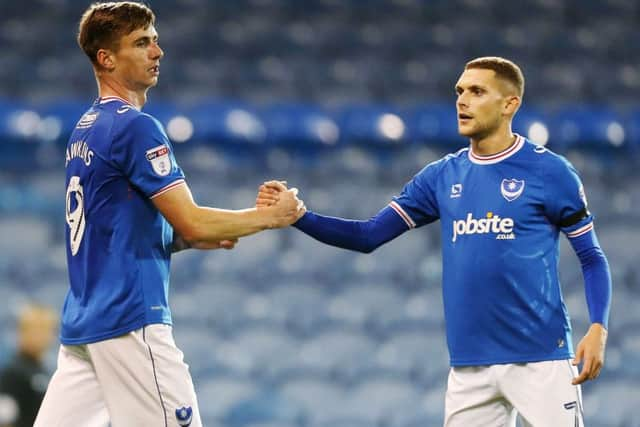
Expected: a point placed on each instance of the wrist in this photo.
(304, 219)
(265, 217)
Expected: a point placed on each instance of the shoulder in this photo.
(545, 161)
(137, 123)
(551, 163)
(449, 160)
(432, 172)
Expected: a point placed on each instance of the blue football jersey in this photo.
(500, 220)
(118, 243)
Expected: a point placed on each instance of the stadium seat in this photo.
(264, 351)
(341, 354)
(617, 411)
(583, 127)
(230, 122)
(264, 409)
(298, 126)
(347, 100)
(322, 400)
(435, 124)
(418, 355)
(371, 125)
(376, 399)
(366, 305)
(302, 306)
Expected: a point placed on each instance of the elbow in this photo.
(189, 232)
(368, 247)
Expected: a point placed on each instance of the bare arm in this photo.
(202, 226)
(179, 244)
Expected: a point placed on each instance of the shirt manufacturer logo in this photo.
(456, 191)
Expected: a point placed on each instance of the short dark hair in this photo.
(103, 24)
(504, 69)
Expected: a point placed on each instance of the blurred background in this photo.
(347, 100)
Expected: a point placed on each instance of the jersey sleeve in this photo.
(146, 156)
(417, 204)
(565, 199)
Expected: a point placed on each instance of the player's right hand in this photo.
(268, 192)
(287, 209)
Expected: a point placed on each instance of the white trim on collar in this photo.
(106, 99)
(497, 157)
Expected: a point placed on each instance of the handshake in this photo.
(279, 203)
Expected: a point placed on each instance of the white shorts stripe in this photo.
(541, 393)
(405, 216)
(155, 376)
(137, 379)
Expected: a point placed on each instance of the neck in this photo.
(111, 87)
(493, 143)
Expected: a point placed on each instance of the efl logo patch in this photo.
(511, 189)
(159, 159)
(184, 415)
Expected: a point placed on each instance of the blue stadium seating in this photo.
(346, 100)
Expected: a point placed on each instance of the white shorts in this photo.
(492, 396)
(138, 379)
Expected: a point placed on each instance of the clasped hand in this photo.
(275, 195)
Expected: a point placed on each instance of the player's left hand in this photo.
(227, 244)
(223, 244)
(590, 352)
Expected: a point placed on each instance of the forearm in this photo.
(361, 236)
(597, 277)
(210, 225)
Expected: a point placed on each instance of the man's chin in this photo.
(467, 132)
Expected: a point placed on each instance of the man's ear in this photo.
(512, 105)
(105, 59)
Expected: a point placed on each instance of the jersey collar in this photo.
(106, 99)
(497, 157)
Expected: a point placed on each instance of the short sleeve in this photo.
(417, 203)
(144, 153)
(565, 200)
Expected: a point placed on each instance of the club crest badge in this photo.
(159, 159)
(184, 415)
(511, 189)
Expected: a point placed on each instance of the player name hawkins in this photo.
(79, 149)
(503, 227)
